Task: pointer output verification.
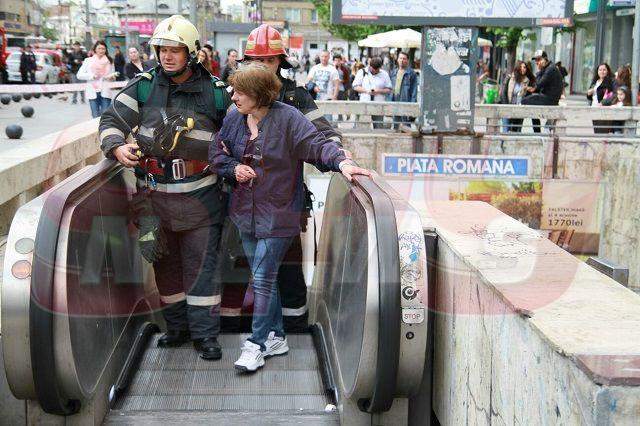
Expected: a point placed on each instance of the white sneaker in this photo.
(275, 345)
(250, 359)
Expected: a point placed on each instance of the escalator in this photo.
(80, 319)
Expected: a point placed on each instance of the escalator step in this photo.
(185, 358)
(226, 382)
(221, 418)
(315, 403)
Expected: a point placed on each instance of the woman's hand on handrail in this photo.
(349, 170)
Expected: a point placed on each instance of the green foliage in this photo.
(49, 33)
(508, 38)
(347, 32)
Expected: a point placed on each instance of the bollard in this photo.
(13, 131)
(5, 99)
(16, 97)
(27, 111)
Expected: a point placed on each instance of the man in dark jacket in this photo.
(75, 60)
(264, 44)
(548, 88)
(28, 66)
(405, 86)
(119, 63)
(180, 206)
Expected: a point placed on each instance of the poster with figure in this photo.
(447, 73)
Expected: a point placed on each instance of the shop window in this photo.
(292, 15)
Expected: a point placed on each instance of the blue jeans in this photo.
(265, 256)
(99, 105)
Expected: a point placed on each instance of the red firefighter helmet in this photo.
(266, 41)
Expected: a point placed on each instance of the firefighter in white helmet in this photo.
(173, 112)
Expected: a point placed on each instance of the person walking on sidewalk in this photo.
(76, 58)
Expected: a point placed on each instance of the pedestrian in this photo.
(564, 72)
(405, 86)
(135, 65)
(373, 84)
(548, 88)
(515, 89)
(203, 58)
(325, 79)
(231, 66)
(180, 204)
(482, 73)
(261, 146)
(76, 58)
(343, 77)
(119, 63)
(622, 99)
(28, 65)
(214, 59)
(264, 45)
(601, 93)
(623, 76)
(96, 70)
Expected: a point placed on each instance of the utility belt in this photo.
(175, 175)
(176, 168)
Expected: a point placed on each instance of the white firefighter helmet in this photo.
(175, 31)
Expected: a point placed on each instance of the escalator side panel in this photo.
(415, 290)
(62, 309)
(16, 296)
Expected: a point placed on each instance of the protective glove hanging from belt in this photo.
(151, 238)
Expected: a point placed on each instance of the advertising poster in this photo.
(567, 212)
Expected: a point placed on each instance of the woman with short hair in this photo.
(135, 65)
(261, 146)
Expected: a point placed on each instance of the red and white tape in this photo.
(54, 88)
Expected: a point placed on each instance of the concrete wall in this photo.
(34, 166)
(525, 333)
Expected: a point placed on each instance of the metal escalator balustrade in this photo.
(369, 293)
(61, 326)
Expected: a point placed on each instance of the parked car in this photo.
(46, 71)
(64, 75)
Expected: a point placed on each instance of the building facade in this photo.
(20, 17)
(299, 23)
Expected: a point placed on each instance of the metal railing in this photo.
(495, 119)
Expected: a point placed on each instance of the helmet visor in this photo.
(166, 42)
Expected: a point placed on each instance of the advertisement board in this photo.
(452, 12)
(567, 212)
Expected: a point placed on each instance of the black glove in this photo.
(151, 238)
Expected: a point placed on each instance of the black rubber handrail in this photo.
(389, 315)
(41, 316)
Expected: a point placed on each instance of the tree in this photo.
(508, 39)
(50, 33)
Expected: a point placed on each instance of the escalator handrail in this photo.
(41, 316)
(389, 317)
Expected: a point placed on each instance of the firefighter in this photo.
(173, 112)
(264, 44)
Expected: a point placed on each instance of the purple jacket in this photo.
(272, 204)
